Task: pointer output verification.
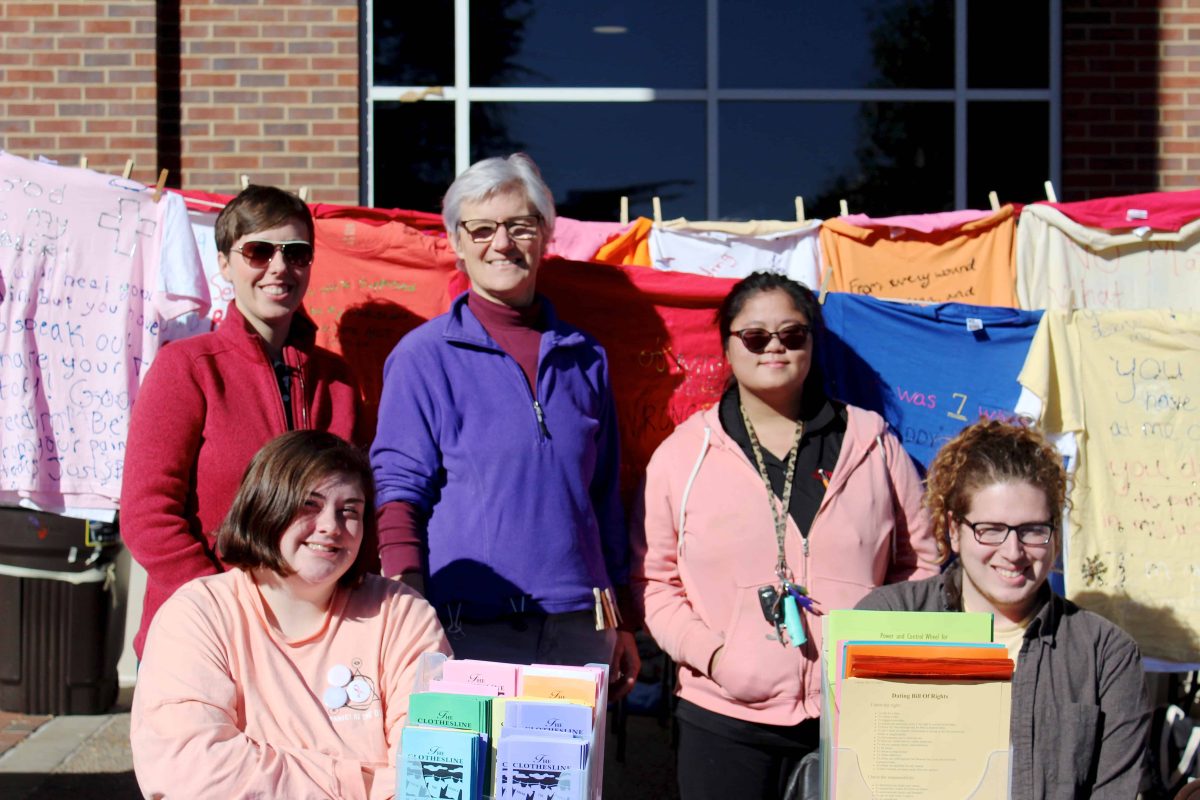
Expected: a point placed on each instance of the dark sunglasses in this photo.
(298, 254)
(793, 337)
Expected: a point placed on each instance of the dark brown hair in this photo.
(803, 300)
(274, 490)
(986, 453)
(258, 208)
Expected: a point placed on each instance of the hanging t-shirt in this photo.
(1063, 264)
(1158, 211)
(752, 227)
(1127, 383)
(925, 223)
(970, 263)
(370, 285)
(91, 269)
(631, 247)
(579, 240)
(794, 253)
(929, 370)
(664, 351)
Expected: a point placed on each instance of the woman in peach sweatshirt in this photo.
(758, 515)
(290, 676)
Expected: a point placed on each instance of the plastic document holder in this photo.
(993, 782)
(429, 668)
(842, 776)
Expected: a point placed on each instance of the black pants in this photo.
(721, 758)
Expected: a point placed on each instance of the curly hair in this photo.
(986, 453)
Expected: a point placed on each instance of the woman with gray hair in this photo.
(496, 454)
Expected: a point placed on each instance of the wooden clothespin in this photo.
(83, 162)
(1050, 195)
(128, 169)
(245, 181)
(624, 210)
(656, 204)
(303, 194)
(799, 208)
(162, 181)
(414, 95)
(994, 201)
(844, 207)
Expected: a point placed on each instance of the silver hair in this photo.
(492, 176)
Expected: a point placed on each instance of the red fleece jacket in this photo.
(204, 409)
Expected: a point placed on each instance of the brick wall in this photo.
(1131, 96)
(78, 79)
(270, 89)
(211, 90)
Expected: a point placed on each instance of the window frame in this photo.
(462, 95)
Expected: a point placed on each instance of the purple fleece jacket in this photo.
(521, 493)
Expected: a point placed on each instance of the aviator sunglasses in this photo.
(792, 337)
(258, 254)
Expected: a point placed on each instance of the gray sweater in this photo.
(1080, 715)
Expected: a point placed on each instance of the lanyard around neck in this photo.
(779, 510)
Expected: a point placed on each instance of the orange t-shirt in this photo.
(971, 263)
(371, 284)
(631, 248)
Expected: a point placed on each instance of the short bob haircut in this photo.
(485, 179)
(986, 453)
(258, 208)
(274, 490)
(803, 300)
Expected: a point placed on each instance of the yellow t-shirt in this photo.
(1009, 634)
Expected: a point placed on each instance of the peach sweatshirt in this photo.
(227, 707)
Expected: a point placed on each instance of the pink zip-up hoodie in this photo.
(705, 542)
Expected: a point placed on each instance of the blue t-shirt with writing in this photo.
(929, 370)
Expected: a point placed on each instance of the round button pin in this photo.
(335, 697)
(339, 675)
(359, 690)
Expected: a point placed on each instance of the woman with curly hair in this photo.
(1080, 715)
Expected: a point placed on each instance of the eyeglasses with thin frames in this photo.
(258, 253)
(996, 533)
(520, 228)
(756, 340)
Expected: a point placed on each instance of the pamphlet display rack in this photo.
(429, 668)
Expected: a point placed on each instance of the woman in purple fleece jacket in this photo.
(496, 454)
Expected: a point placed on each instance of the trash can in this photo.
(59, 631)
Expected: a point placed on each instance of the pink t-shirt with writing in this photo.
(91, 267)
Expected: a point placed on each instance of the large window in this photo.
(721, 108)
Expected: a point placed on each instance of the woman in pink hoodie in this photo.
(290, 675)
(758, 515)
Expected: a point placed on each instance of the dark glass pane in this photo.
(1008, 44)
(613, 43)
(853, 44)
(593, 153)
(414, 154)
(1008, 152)
(414, 43)
(882, 158)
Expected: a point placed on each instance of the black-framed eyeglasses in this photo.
(258, 253)
(756, 340)
(519, 228)
(996, 533)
